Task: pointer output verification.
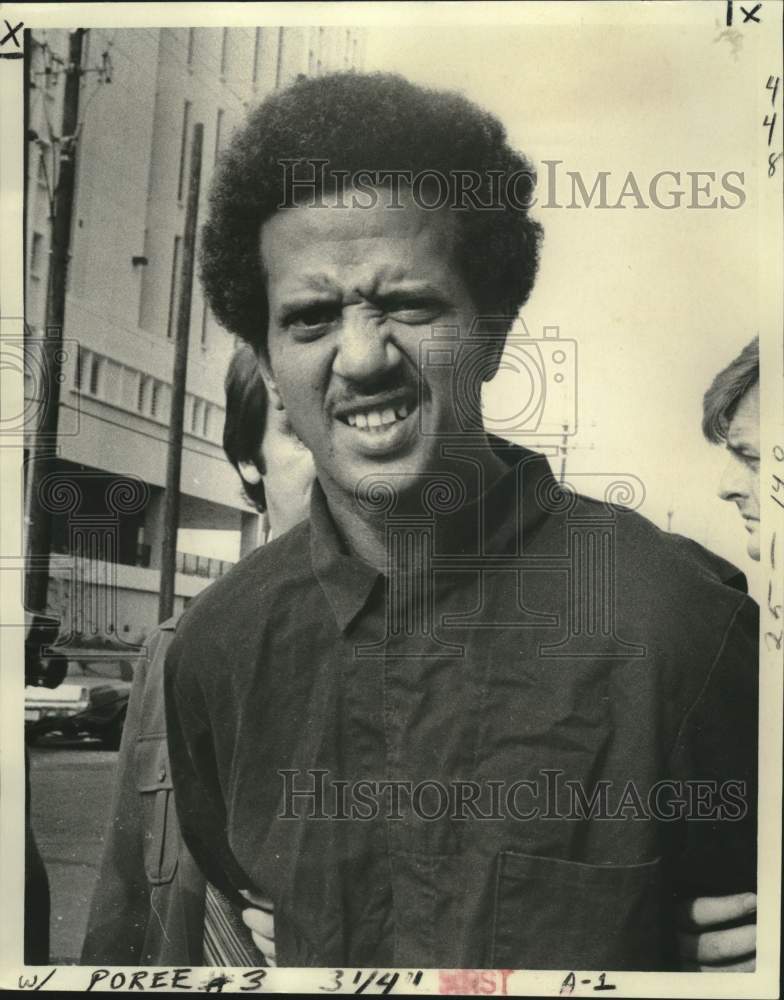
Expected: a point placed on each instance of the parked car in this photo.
(92, 700)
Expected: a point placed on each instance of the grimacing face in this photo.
(352, 293)
(740, 481)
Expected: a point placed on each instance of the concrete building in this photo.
(142, 91)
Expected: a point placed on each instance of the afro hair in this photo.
(365, 122)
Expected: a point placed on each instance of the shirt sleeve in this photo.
(201, 809)
(120, 904)
(714, 760)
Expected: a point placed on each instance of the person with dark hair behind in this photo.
(151, 905)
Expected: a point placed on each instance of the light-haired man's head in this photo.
(731, 417)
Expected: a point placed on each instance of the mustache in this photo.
(397, 383)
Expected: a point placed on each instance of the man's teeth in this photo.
(377, 419)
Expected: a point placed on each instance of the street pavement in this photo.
(71, 790)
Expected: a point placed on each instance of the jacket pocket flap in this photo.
(152, 765)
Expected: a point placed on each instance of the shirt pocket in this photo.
(160, 829)
(553, 914)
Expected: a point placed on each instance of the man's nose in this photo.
(732, 484)
(365, 348)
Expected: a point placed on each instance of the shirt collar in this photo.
(520, 500)
(512, 508)
(345, 579)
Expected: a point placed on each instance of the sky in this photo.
(655, 301)
(648, 302)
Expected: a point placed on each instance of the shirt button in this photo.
(162, 773)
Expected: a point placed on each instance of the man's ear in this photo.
(269, 379)
(250, 473)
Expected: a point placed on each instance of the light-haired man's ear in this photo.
(269, 380)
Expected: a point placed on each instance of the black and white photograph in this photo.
(392, 525)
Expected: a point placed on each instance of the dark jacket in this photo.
(148, 904)
(554, 636)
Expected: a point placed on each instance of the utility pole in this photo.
(564, 449)
(171, 500)
(39, 529)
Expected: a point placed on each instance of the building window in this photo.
(256, 55)
(205, 424)
(186, 125)
(197, 415)
(96, 375)
(218, 132)
(191, 44)
(145, 286)
(166, 395)
(150, 397)
(224, 56)
(36, 255)
(79, 368)
(174, 295)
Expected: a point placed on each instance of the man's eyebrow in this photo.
(420, 290)
(388, 287)
(322, 284)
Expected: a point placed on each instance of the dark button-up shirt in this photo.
(587, 678)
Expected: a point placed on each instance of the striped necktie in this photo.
(227, 941)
